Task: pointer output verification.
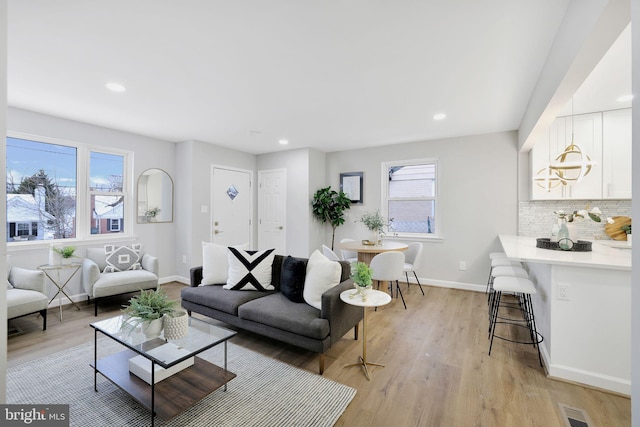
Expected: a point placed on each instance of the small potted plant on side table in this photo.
(362, 280)
(148, 309)
(66, 253)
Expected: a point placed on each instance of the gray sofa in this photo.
(273, 315)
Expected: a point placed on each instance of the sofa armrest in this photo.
(90, 275)
(149, 263)
(32, 280)
(195, 276)
(342, 317)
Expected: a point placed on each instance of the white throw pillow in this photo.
(322, 274)
(215, 263)
(250, 270)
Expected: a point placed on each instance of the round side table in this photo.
(374, 299)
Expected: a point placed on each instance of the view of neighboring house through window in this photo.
(410, 196)
(107, 193)
(41, 190)
(47, 184)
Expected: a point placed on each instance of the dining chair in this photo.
(326, 251)
(388, 267)
(350, 256)
(412, 258)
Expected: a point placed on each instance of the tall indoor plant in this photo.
(329, 206)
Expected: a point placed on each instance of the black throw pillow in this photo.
(292, 277)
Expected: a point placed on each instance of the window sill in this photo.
(414, 238)
(45, 244)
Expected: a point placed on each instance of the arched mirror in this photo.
(155, 197)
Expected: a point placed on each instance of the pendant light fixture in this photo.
(571, 166)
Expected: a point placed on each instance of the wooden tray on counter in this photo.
(615, 230)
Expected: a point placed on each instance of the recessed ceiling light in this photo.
(439, 116)
(625, 98)
(115, 87)
(283, 142)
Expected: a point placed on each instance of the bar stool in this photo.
(499, 261)
(523, 288)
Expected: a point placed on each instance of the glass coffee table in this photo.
(177, 392)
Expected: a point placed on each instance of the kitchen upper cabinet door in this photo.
(544, 151)
(616, 162)
(585, 130)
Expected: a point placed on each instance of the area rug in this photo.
(265, 392)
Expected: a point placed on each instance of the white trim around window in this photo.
(436, 234)
(83, 195)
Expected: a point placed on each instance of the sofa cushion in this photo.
(250, 270)
(322, 274)
(218, 298)
(122, 258)
(22, 301)
(123, 282)
(215, 263)
(9, 285)
(292, 278)
(277, 311)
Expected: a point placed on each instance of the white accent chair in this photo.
(328, 252)
(350, 256)
(387, 267)
(98, 284)
(26, 294)
(412, 259)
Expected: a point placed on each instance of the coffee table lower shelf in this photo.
(174, 394)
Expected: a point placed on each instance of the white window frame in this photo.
(117, 223)
(83, 195)
(436, 235)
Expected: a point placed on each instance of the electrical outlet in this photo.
(184, 259)
(463, 266)
(563, 292)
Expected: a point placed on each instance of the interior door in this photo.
(231, 206)
(272, 201)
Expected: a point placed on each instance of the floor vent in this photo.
(574, 417)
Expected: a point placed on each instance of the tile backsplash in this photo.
(536, 217)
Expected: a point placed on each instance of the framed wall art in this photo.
(351, 185)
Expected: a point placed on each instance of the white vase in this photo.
(176, 325)
(152, 329)
(629, 239)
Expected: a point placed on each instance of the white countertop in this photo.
(524, 249)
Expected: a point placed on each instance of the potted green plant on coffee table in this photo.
(147, 309)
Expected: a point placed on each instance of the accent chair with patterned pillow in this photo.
(115, 270)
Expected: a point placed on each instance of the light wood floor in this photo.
(438, 371)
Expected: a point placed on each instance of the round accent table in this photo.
(367, 252)
(374, 299)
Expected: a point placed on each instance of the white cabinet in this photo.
(605, 137)
(616, 154)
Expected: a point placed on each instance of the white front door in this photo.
(272, 200)
(231, 206)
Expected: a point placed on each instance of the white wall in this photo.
(157, 238)
(635, 272)
(3, 213)
(478, 199)
(317, 179)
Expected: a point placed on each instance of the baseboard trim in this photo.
(448, 284)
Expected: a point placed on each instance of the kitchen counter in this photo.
(583, 311)
(602, 256)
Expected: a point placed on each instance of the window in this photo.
(62, 190)
(410, 197)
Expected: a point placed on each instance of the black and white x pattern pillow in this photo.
(250, 270)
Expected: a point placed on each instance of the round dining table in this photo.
(367, 252)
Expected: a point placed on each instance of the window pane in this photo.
(412, 181)
(104, 211)
(106, 172)
(412, 216)
(41, 190)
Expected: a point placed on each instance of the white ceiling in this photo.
(327, 74)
